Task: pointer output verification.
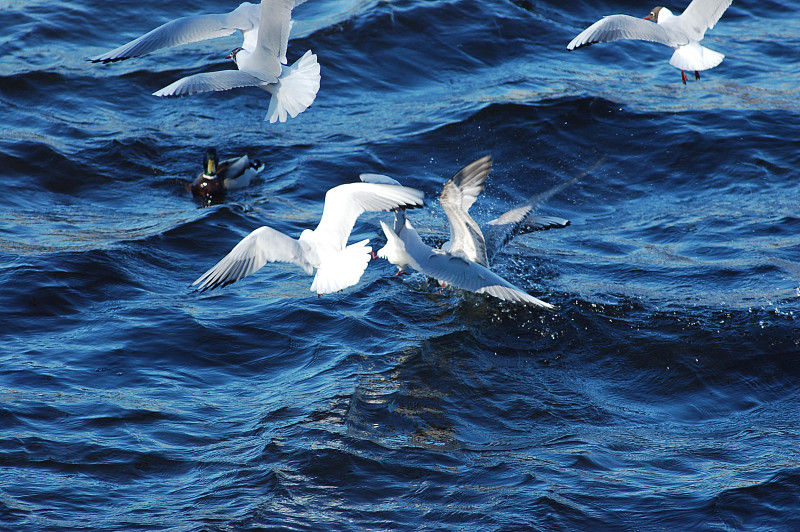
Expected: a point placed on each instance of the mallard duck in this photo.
(219, 177)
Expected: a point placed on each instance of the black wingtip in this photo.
(408, 206)
(109, 60)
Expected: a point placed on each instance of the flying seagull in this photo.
(480, 244)
(682, 33)
(463, 261)
(261, 59)
(454, 269)
(324, 249)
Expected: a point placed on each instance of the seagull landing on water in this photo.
(261, 60)
(463, 261)
(682, 33)
(454, 269)
(323, 249)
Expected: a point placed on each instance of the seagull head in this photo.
(233, 53)
(654, 14)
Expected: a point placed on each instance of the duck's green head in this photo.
(211, 162)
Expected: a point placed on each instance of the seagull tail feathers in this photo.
(296, 89)
(695, 57)
(342, 269)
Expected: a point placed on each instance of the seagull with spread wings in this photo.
(261, 59)
(682, 33)
(324, 249)
(463, 261)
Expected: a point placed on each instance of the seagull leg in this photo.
(373, 255)
(401, 272)
(683, 77)
(696, 75)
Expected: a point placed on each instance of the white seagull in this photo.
(463, 261)
(466, 237)
(325, 248)
(453, 269)
(260, 60)
(682, 33)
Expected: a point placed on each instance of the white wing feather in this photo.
(345, 203)
(255, 250)
(186, 30)
(460, 272)
(702, 15)
(399, 214)
(273, 35)
(211, 81)
(458, 195)
(379, 178)
(616, 27)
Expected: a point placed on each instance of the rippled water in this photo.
(663, 394)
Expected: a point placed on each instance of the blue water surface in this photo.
(661, 395)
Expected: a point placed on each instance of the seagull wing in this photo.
(542, 223)
(399, 214)
(273, 35)
(212, 81)
(345, 203)
(502, 230)
(186, 30)
(702, 15)
(470, 179)
(458, 195)
(460, 272)
(521, 220)
(616, 27)
(379, 178)
(255, 250)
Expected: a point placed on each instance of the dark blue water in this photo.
(663, 395)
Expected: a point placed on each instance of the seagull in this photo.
(324, 249)
(261, 59)
(399, 222)
(453, 269)
(682, 33)
(463, 261)
(466, 237)
(457, 196)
